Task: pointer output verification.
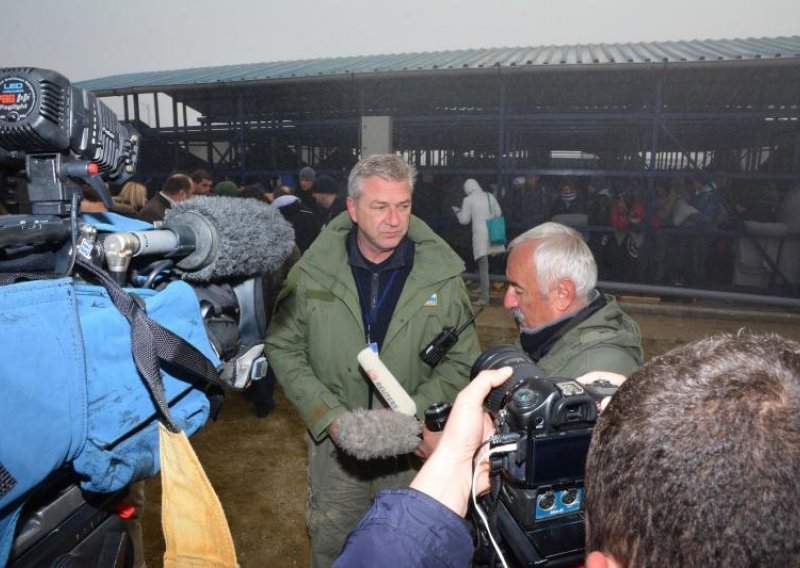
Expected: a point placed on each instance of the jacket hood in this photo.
(471, 186)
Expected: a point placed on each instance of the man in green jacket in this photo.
(566, 326)
(375, 276)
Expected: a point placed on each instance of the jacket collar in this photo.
(434, 260)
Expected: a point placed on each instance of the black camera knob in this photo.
(525, 398)
(436, 416)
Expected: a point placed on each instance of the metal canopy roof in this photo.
(755, 75)
(605, 99)
(444, 62)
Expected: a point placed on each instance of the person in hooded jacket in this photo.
(479, 206)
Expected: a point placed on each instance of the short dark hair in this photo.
(253, 191)
(696, 460)
(175, 183)
(201, 174)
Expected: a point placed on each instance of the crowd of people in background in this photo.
(677, 231)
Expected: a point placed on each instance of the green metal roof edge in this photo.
(603, 54)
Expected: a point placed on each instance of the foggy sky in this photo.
(85, 39)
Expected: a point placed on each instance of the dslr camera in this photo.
(536, 501)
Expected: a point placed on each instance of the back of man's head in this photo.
(695, 462)
(176, 183)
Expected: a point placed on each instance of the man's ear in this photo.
(600, 560)
(564, 295)
(351, 209)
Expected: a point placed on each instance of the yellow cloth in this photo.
(196, 531)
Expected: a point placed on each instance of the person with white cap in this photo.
(477, 207)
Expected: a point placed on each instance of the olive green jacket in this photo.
(317, 329)
(608, 340)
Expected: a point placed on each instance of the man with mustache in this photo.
(565, 325)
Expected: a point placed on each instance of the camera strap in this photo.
(153, 345)
(195, 528)
(196, 532)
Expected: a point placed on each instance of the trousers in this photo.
(483, 271)
(340, 491)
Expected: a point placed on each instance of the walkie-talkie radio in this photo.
(435, 351)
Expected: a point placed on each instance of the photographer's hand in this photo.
(333, 431)
(429, 443)
(447, 475)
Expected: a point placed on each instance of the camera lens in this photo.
(505, 356)
(499, 356)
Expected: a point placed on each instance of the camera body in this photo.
(539, 497)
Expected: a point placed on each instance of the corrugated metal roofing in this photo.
(669, 52)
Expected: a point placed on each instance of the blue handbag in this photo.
(496, 226)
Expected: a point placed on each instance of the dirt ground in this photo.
(257, 466)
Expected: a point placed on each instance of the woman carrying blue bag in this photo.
(477, 208)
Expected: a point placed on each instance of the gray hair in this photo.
(561, 253)
(390, 167)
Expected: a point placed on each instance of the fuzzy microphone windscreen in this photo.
(250, 237)
(370, 434)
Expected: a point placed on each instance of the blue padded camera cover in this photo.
(42, 390)
(117, 449)
(72, 394)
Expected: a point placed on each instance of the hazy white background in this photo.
(85, 39)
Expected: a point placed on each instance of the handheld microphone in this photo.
(370, 434)
(216, 238)
(392, 391)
